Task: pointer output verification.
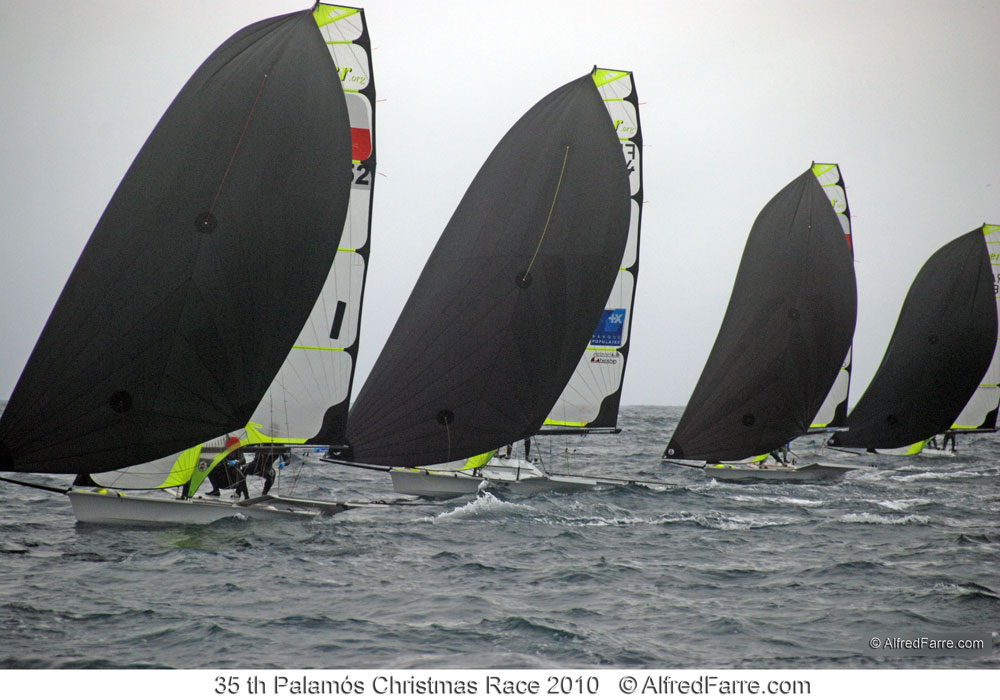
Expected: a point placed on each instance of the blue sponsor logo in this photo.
(609, 329)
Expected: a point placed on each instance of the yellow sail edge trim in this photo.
(566, 423)
(822, 168)
(199, 475)
(324, 14)
(317, 347)
(989, 229)
(183, 469)
(256, 437)
(603, 76)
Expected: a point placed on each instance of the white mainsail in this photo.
(829, 177)
(599, 374)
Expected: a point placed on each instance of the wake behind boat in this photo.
(783, 340)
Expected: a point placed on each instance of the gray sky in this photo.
(737, 98)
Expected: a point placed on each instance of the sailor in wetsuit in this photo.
(229, 474)
(263, 466)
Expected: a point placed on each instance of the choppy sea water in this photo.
(689, 574)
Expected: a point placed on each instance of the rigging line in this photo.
(562, 171)
(239, 142)
(35, 486)
(447, 429)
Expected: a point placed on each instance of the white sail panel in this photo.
(980, 412)
(599, 373)
(319, 369)
(837, 395)
(829, 177)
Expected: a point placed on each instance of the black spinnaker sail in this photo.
(784, 336)
(509, 297)
(181, 307)
(939, 351)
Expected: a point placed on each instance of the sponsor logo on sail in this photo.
(609, 329)
(604, 358)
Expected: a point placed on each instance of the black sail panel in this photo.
(509, 297)
(181, 309)
(940, 349)
(784, 336)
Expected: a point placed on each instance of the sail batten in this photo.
(784, 336)
(150, 332)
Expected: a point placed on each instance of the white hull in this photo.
(110, 507)
(907, 452)
(777, 472)
(515, 475)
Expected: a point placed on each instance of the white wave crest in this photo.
(904, 503)
(484, 503)
(875, 519)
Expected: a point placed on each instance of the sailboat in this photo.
(495, 326)
(936, 364)
(181, 309)
(589, 402)
(782, 344)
